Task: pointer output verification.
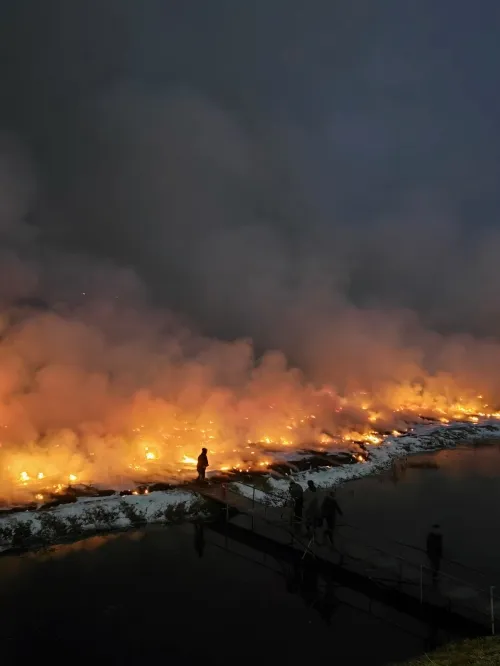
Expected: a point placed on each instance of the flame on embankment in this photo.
(116, 396)
(149, 438)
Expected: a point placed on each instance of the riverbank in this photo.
(92, 515)
(421, 439)
(482, 651)
(87, 515)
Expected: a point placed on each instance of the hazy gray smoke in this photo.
(222, 220)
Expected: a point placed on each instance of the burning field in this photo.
(76, 410)
(103, 385)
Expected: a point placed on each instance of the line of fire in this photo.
(250, 437)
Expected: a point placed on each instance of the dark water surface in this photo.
(459, 489)
(176, 593)
(149, 595)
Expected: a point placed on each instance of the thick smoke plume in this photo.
(197, 217)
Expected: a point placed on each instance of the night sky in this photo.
(253, 159)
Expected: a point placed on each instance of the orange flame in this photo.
(158, 439)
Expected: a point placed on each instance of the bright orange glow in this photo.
(150, 439)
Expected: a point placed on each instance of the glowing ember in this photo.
(152, 439)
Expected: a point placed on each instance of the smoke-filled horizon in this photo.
(195, 202)
(344, 310)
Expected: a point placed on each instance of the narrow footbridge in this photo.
(462, 599)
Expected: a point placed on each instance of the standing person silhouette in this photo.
(329, 510)
(202, 465)
(297, 495)
(312, 503)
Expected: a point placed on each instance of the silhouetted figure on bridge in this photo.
(202, 465)
(435, 550)
(312, 504)
(329, 510)
(297, 495)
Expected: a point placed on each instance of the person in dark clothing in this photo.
(435, 550)
(202, 465)
(297, 495)
(312, 501)
(329, 510)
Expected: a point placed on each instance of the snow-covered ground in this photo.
(422, 438)
(91, 514)
(88, 515)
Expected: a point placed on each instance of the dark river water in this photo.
(459, 489)
(185, 593)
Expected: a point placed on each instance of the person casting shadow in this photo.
(202, 465)
(329, 510)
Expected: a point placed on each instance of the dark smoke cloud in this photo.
(220, 218)
(335, 166)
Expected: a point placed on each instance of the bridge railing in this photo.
(409, 551)
(418, 556)
(406, 565)
(481, 604)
